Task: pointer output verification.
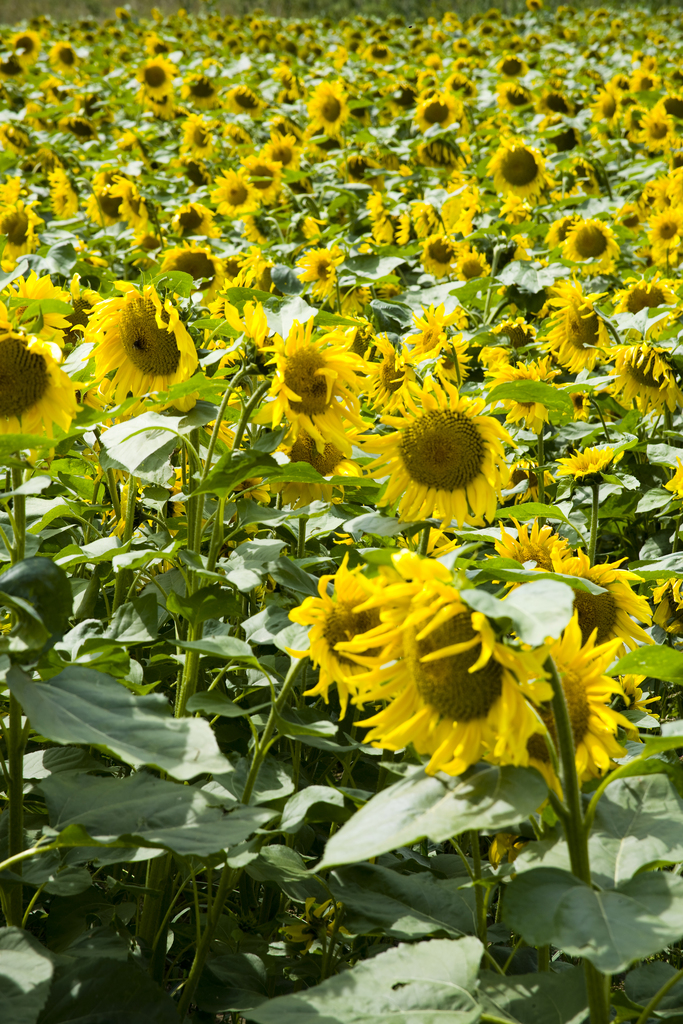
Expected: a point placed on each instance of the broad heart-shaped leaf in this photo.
(92, 991)
(83, 706)
(380, 901)
(543, 998)
(232, 982)
(229, 648)
(314, 803)
(658, 662)
(536, 610)
(45, 586)
(422, 806)
(639, 822)
(610, 927)
(558, 403)
(135, 622)
(25, 975)
(151, 811)
(645, 981)
(427, 983)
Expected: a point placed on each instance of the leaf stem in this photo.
(658, 996)
(124, 576)
(16, 741)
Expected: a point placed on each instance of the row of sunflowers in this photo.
(342, 425)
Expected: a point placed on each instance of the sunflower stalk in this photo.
(123, 580)
(592, 543)
(478, 890)
(15, 735)
(540, 472)
(19, 516)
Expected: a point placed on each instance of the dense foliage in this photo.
(342, 426)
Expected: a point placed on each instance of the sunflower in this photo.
(519, 169)
(194, 219)
(607, 106)
(668, 602)
(438, 255)
(235, 195)
(156, 78)
(557, 232)
(35, 394)
(19, 223)
(524, 481)
(578, 334)
(80, 127)
(133, 208)
(63, 196)
(675, 484)
(539, 549)
(641, 294)
(534, 414)
(162, 107)
(196, 171)
(236, 135)
(83, 301)
(320, 267)
(63, 57)
(586, 466)
(39, 289)
(243, 100)
(26, 47)
(328, 108)
(665, 235)
(611, 613)
(518, 332)
(200, 90)
(634, 696)
(433, 327)
(318, 924)
(591, 240)
(334, 619)
(657, 130)
(581, 665)
(330, 462)
(513, 96)
(453, 689)
(512, 66)
(102, 207)
(206, 269)
(442, 456)
(315, 385)
(388, 378)
(10, 68)
(197, 137)
(265, 176)
(14, 139)
(282, 149)
(143, 342)
(440, 108)
(644, 376)
(471, 264)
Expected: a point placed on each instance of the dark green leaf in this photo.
(93, 991)
(543, 998)
(536, 610)
(558, 403)
(25, 976)
(661, 662)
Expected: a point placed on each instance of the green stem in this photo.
(246, 413)
(157, 874)
(188, 681)
(16, 741)
(424, 541)
(592, 544)
(544, 958)
(489, 293)
(540, 472)
(478, 891)
(658, 996)
(19, 510)
(261, 748)
(125, 575)
(113, 493)
(301, 542)
(216, 536)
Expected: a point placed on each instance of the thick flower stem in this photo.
(592, 544)
(19, 510)
(574, 826)
(478, 891)
(157, 873)
(16, 741)
(301, 540)
(188, 680)
(123, 580)
(540, 472)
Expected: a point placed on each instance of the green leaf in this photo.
(431, 983)
(543, 998)
(43, 585)
(657, 662)
(214, 602)
(611, 928)
(370, 268)
(134, 622)
(147, 811)
(286, 867)
(290, 575)
(83, 706)
(536, 610)
(227, 647)
(380, 901)
(214, 703)
(233, 468)
(25, 975)
(285, 279)
(81, 990)
(234, 981)
(314, 803)
(422, 806)
(558, 403)
(281, 313)
(645, 982)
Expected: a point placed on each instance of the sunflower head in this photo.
(35, 394)
(328, 108)
(591, 240)
(587, 466)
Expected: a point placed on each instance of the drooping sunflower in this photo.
(315, 386)
(328, 108)
(330, 462)
(320, 267)
(14, 138)
(607, 106)
(432, 334)
(156, 78)
(588, 464)
(63, 195)
(133, 208)
(640, 293)
(613, 612)
(206, 269)
(668, 602)
(581, 665)
(389, 378)
(438, 255)
(519, 169)
(83, 301)
(453, 689)
(334, 620)
(35, 393)
(578, 336)
(591, 240)
(534, 414)
(634, 695)
(440, 108)
(442, 457)
(200, 90)
(194, 219)
(26, 47)
(518, 332)
(235, 195)
(63, 57)
(664, 235)
(24, 291)
(19, 223)
(539, 548)
(197, 136)
(243, 100)
(643, 375)
(675, 484)
(557, 232)
(143, 341)
(265, 176)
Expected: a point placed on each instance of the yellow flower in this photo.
(235, 194)
(518, 169)
(26, 47)
(197, 137)
(32, 289)
(657, 130)
(143, 342)
(607, 106)
(641, 294)
(200, 90)
(335, 620)
(194, 219)
(518, 332)
(512, 96)
(83, 301)
(539, 549)
(282, 149)
(19, 224)
(315, 385)
(668, 603)
(634, 696)
(14, 138)
(63, 196)
(388, 378)
(586, 464)
(665, 235)
(452, 688)
(328, 108)
(320, 267)
(133, 208)
(265, 176)
(206, 269)
(443, 457)
(35, 394)
(63, 57)
(581, 664)
(330, 462)
(156, 78)
(441, 108)
(318, 924)
(438, 255)
(432, 326)
(471, 264)
(243, 100)
(534, 414)
(644, 376)
(557, 231)
(591, 240)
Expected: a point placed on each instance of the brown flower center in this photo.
(442, 449)
(23, 378)
(590, 242)
(304, 450)
(150, 348)
(302, 377)
(331, 109)
(519, 167)
(342, 624)
(596, 611)
(155, 76)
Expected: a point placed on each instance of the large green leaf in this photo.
(428, 983)
(535, 610)
(542, 998)
(45, 586)
(232, 982)
(25, 975)
(558, 403)
(95, 991)
(377, 900)
(151, 811)
(611, 928)
(83, 706)
(421, 806)
(645, 981)
(659, 662)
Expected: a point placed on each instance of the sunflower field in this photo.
(341, 582)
